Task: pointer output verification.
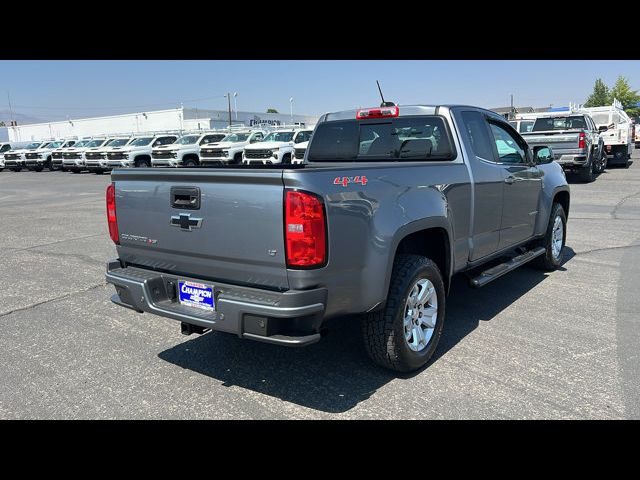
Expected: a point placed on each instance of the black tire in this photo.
(37, 169)
(548, 262)
(586, 174)
(603, 160)
(143, 163)
(75, 170)
(237, 158)
(286, 160)
(189, 162)
(383, 330)
(620, 157)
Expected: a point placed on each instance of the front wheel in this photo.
(143, 163)
(404, 334)
(553, 241)
(190, 162)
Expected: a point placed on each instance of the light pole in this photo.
(291, 108)
(235, 103)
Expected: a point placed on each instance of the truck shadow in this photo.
(335, 374)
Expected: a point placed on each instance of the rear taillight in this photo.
(382, 112)
(112, 219)
(581, 140)
(305, 230)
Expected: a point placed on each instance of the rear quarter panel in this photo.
(366, 222)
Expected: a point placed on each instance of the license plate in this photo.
(196, 295)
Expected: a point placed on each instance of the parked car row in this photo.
(210, 148)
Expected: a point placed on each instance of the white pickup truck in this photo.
(301, 148)
(43, 157)
(229, 149)
(617, 132)
(14, 159)
(277, 147)
(185, 151)
(56, 154)
(136, 153)
(96, 158)
(73, 159)
(4, 147)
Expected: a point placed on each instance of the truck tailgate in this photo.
(234, 236)
(557, 140)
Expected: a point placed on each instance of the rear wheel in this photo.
(603, 161)
(405, 333)
(620, 157)
(586, 173)
(553, 241)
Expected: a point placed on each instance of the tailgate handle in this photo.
(187, 198)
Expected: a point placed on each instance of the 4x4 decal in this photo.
(344, 181)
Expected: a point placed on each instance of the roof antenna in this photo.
(384, 104)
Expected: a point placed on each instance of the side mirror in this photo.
(542, 155)
(603, 128)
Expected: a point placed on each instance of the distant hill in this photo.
(6, 117)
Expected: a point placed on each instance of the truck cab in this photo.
(277, 147)
(229, 149)
(185, 151)
(137, 153)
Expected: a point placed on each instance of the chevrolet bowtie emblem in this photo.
(185, 222)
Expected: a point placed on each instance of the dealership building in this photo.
(181, 119)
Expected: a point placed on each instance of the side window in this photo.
(508, 146)
(476, 127)
(5, 148)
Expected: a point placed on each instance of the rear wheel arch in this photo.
(432, 240)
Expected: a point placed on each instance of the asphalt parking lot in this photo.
(529, 345)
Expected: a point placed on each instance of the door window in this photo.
(476, 127)
(509, 148)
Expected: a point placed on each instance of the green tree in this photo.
(600, 96)
(629, 98)
(272, 110)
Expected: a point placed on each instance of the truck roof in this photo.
(403, 110)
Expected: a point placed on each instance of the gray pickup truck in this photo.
(576, 142)
(388, 205)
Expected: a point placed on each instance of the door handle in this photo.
(511, 179)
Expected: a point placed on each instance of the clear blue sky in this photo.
(55, 89)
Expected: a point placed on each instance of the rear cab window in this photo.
(572, 122)
(408, 138)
